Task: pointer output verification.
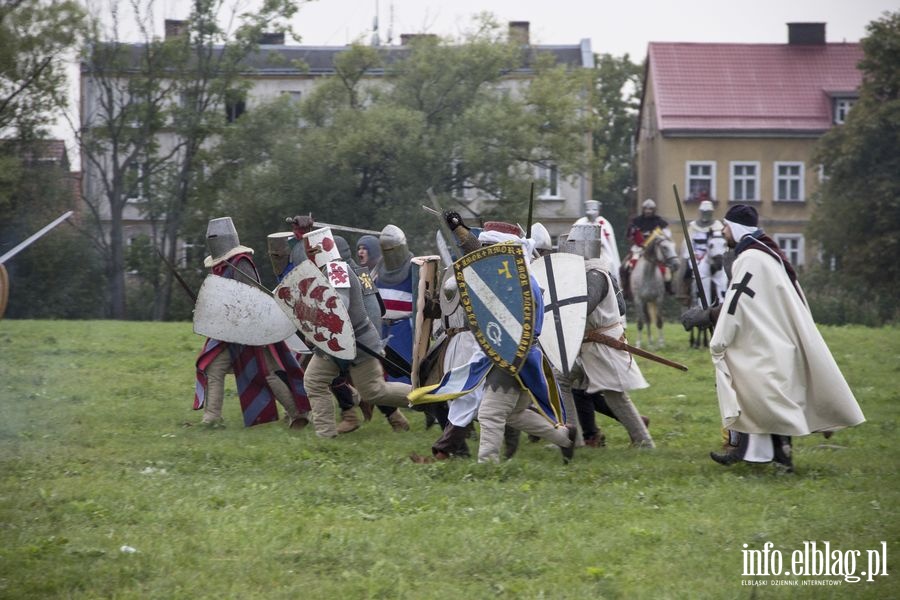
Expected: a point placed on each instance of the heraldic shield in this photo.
(495, 291)
(317, 311)
(564, 285)
(231, 311)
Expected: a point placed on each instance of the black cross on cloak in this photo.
(740, 288)
(554, 306)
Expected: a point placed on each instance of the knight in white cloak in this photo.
(607, 238)
(775, 377)
(601, 368)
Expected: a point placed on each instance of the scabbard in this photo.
(602, 338)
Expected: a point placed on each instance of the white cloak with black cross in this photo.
(774, 373)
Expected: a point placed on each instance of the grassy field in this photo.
(108, 493)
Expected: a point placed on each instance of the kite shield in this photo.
(231, 311)
(316, 310)
(495, 292)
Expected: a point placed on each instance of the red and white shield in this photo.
(317, 310)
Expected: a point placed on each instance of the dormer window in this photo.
(842, 108)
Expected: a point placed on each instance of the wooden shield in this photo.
(231, 311)
(564, 286)
(495, 292)
(316, 310)
(426, 274)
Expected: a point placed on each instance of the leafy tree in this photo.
(35, 36)
(857, 219)
(615, 101)
(449, 117)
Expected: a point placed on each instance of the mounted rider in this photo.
(639, 232)
(701, 230)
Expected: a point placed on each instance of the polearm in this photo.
(687, 240)
(174, 271)
(31, 239)
(530, 211)
(384, 360)
(602, 338)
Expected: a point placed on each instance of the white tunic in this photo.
(774, 373)
(607, 368)
(608, 241)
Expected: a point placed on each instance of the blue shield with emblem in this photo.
(495, 292)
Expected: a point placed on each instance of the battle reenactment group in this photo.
(509, 333)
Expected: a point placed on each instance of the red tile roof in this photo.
(750, 87)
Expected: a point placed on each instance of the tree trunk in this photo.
(116, 265)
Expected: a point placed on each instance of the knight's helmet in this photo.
(706, 212)
(592, 209)
(648, 203)
(543, 243)
(584, 239)
(394, 251)
(278, 246)
(343, 247)
(222, 241)
(321, 247)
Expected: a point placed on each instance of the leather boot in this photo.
(349, 421)
(398, 421)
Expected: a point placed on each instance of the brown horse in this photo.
(648, 286)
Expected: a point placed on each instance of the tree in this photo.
(615, 101)
(446, 116)
(857, 218)
(35, 36)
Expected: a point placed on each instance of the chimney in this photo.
(175, 28)
(271, 39)
(518, 32)
(806, 34)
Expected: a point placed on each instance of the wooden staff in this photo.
(602, 338)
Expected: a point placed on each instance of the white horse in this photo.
(648, 286)
(714, 281)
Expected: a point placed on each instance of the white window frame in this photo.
(712, 177)
(800, 251)
(734, 179)
(778, 178)
(295, 95)
(549, 176)
(842, 107)
(139, 168)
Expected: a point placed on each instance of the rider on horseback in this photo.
(701, 231)
(639, 231)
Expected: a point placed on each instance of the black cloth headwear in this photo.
(743, 215)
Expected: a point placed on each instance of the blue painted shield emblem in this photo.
(495, 291)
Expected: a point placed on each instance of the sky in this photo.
(623, 27)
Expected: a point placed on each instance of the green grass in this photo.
(95, 456)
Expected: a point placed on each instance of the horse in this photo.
(712, 278)
(647, 284)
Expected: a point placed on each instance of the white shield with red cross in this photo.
(314, 306)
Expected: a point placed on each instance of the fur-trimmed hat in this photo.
(743, 215)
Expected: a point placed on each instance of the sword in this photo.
(339, 227)
(34, 237)
(602, 338)
(384, 360)
(439, 212)
(690, 247)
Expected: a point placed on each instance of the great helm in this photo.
(222, 242)
(648, 203)
(592, 208)
(584, 239)
(279, 248)
(321, 247)
(394, 251)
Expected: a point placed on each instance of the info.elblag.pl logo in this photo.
(814, 559)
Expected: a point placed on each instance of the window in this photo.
(789, 182)
(135, 180)
(458, 180)
(295, 95)
(842, 108)
(549, 175)
(744, 181)
(700, 180)
(792, 246)
(235, 106)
